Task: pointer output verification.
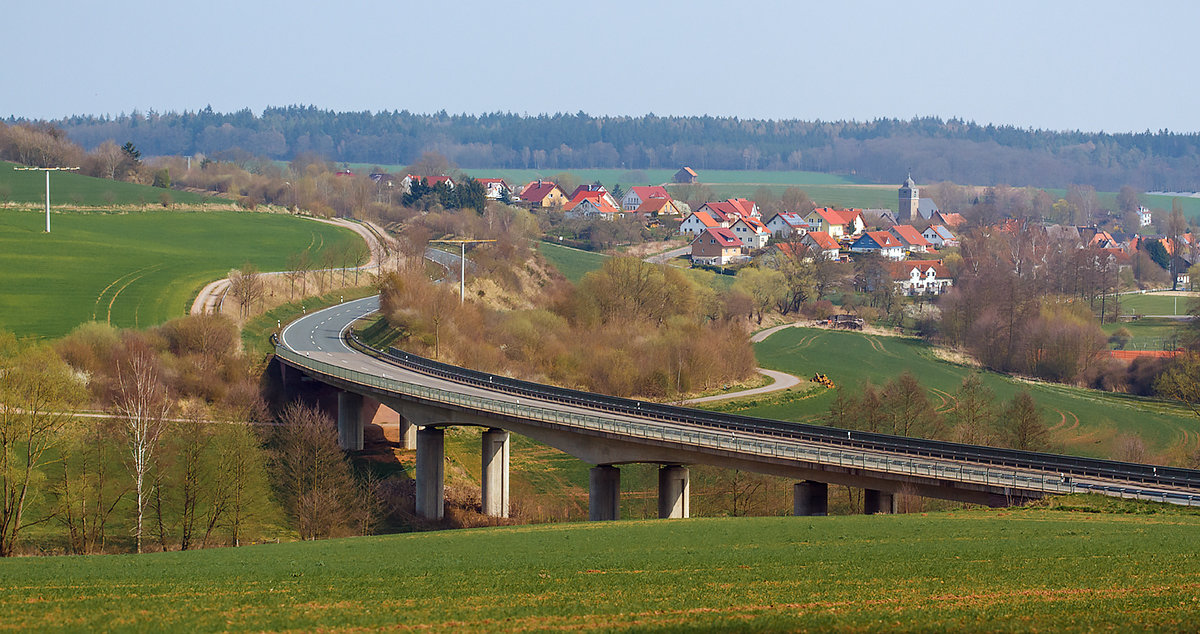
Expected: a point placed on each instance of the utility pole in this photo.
(462, 262)
(47, 170)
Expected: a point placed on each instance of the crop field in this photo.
(1017, 569)
(76, 190)
(1083, 422)
(138, 269)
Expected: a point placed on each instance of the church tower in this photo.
(910, 201)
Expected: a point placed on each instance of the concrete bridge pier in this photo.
(431, 461)
(349, 421)
(604, 493)
(408, 434)
(674, 489)
(810, 498)
(495, 473)
(878, 502)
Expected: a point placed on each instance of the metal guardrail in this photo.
(775, 448)
(1057, 463)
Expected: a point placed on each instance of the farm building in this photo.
(685, 175)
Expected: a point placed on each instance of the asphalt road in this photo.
(319, 336)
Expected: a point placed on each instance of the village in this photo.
(912, 241)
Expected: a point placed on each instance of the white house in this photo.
(698, 222)
(939, 236)
(751, 232)
(785, 223)
(920, 277)
(1144, 218)
(495, 188)
(819, 242)
(638, 195)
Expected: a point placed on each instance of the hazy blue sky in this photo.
(1099, 65)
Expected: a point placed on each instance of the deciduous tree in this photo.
(37, 393)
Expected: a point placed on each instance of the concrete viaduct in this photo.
(316, 347)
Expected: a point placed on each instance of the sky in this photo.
(1061, 65)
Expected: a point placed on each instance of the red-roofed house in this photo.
(698, 222)
(881, 242)
(656, 207)
(911, 238)
(717, 246)
(953, 221)
(729, 211)
(752, 232)
(596, 205)
(543, 194)
(836, 222)
(920, 277)
(823, 243)
(494, 188)
(638, 195)
(593, 191)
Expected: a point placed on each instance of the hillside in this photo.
(75, 191)
(137, 269)
(1084, 422)
(1058, 569)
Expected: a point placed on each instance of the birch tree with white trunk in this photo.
(142, 403)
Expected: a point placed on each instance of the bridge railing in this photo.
(1015, 480)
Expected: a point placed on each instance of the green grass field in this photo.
(1018, 569)
(1155, 304)
(1085, 422)
(572, 263)
(75, 190)
(137, 269)
(610, 177)
(1150, 333)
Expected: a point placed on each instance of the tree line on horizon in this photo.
(880, 150)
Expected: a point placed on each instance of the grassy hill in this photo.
(1018, 569)
(139, 269)
(1085, 422)
(75, 190)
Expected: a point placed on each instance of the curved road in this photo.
(319, 337)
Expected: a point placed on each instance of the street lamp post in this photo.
(462, 262)
(47, 170)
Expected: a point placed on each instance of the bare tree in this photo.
(247, 287)
(86, 494)
(314, 477)
(142, 402)
(110, 158)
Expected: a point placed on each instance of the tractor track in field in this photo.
(108, 317)
(100, 295)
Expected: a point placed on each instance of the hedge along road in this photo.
(134, 269)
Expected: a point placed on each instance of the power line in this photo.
(47, 170)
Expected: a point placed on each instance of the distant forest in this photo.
(880, 151)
